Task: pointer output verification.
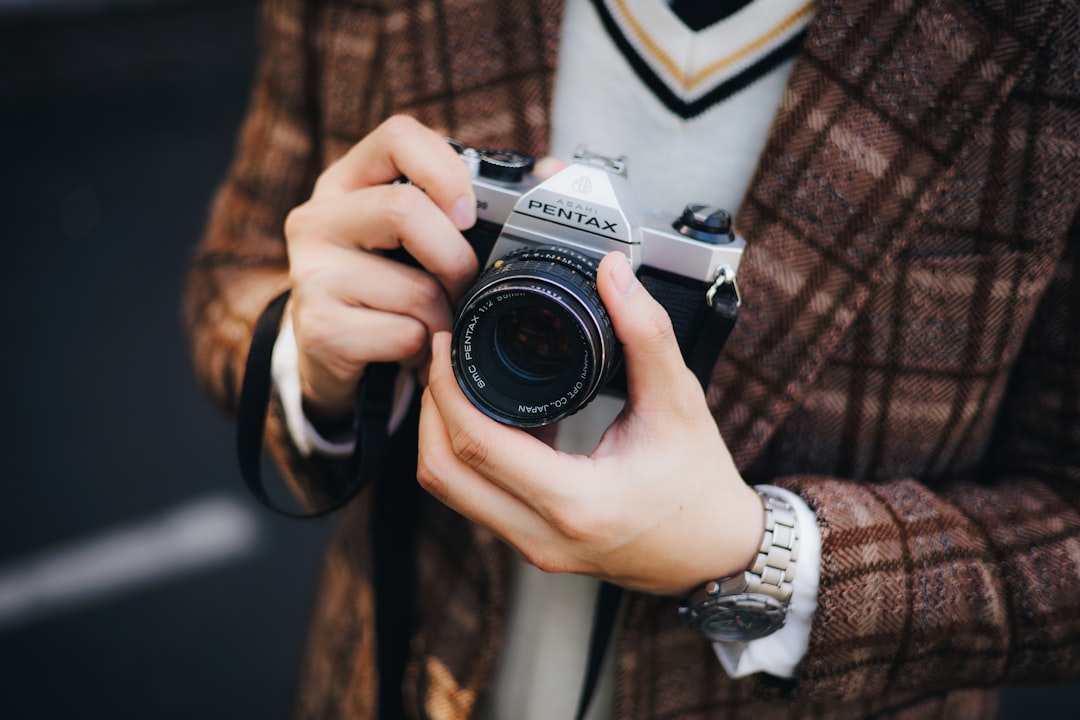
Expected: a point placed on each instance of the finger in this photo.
(518, 462)
(473, 495)
(402, 146)
(460, 487)
(345, 338)
(386, 217)
(337, 342)
(655, 368)
(375, 282)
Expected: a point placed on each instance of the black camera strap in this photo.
(374, 397)
(605, 612)
(393, 527)
(722, 310)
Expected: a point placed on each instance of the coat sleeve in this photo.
(961, 569)
(971, 583)
(241, 263)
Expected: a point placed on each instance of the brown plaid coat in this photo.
(908, 358)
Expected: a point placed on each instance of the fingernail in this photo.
(622, 277)
(463, 213)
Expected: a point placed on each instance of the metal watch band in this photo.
(773, 570)
(753, 603)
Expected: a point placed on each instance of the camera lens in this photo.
(532, 342)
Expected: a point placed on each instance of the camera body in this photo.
(532, 342)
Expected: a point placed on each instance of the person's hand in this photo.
(659, 506)
(351, 305)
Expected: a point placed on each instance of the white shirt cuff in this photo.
(285, 371)
(780, 653)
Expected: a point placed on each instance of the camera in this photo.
(532, 341)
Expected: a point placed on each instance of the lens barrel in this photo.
(532, 342)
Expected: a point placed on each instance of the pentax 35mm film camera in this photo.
(532, 342)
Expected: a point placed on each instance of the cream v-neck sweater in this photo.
(691, 111)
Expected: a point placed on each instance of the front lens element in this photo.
(534, 343)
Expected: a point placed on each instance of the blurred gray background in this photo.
(137, 577)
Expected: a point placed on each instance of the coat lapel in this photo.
(882, 101)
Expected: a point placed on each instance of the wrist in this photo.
(753, 527)
(742, 523)
(326, 411)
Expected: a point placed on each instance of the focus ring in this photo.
(560, 262)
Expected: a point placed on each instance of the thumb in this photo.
(655, 369)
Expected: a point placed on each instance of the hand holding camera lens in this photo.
(628, 512)
(661, 484)
(351, 305)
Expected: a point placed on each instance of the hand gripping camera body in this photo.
(532, 342)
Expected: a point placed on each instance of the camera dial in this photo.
(706, 223)
(504, 166)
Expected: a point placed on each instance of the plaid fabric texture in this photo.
(907, 360)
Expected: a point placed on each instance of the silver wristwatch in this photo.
(754, 603)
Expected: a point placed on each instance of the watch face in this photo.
(737, 624)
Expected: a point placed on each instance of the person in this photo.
(902, 377)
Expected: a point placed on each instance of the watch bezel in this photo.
(755, 615)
